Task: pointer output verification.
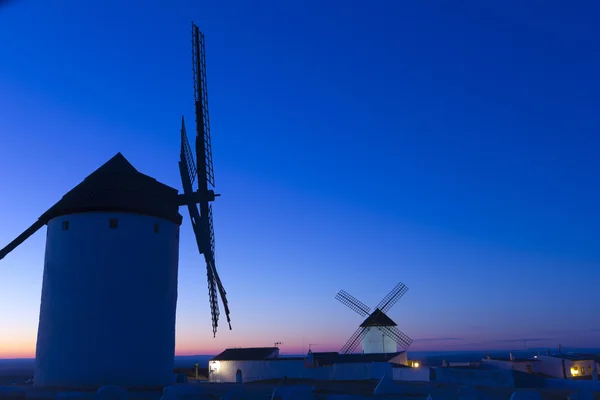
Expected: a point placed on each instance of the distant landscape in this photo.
(20, 370)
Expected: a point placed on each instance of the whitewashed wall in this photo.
(267, 369)
(376, 341)
(109, 296)
(401, 358)
(550, 366)
(553, 366)
(411, 374)
(514, 365)
(379, 369)
(476, 377)
(571, 384)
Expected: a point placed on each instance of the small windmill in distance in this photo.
(378, 333)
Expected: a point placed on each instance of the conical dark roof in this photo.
(117, 186)
(378, 318)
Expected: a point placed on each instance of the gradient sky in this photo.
(449, 145)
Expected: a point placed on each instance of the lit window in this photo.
(113, 223)
(574, 371)
(65, 226)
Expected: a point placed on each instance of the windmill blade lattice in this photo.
(203, 172)
(400, 337)
(392, 297)
(187, 155)
(353, 303)
(354, 340)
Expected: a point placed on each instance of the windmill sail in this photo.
(202, 171)
(22, 237)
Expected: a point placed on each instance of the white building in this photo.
(518, 364)
(259, 363)
(567, 366)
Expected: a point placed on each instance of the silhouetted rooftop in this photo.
(336, 358)
(246, 354)
(378, 318)
(117, 186)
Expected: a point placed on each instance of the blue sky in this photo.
(451, 146)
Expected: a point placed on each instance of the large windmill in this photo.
(378, 333)
(109, 291)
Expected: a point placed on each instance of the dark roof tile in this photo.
(247, 354)
(378, 318)
(118, 187)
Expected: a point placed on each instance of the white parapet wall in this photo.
(420, 374)
(109, 296)
(248, 371)
(473, 376)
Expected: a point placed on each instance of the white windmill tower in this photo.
(109, 292)
(378, 333)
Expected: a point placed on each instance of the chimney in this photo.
(511, 357)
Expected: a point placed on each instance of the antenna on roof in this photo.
(277, 343)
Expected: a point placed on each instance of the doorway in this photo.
(238, 376)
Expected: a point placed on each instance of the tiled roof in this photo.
(117, 186)
(378, 318)
(247, 354)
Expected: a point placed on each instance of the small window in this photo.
(113, 223)
(156, 228)
(65, 225)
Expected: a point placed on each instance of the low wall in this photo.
(411, 374)
(268, 369)
(358, 371)
(571, 384)
(474, 377)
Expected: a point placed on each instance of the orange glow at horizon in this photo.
(14, 347)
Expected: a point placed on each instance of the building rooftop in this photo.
(248, 354)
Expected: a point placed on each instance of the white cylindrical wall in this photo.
(109, 297)
(376, 341)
